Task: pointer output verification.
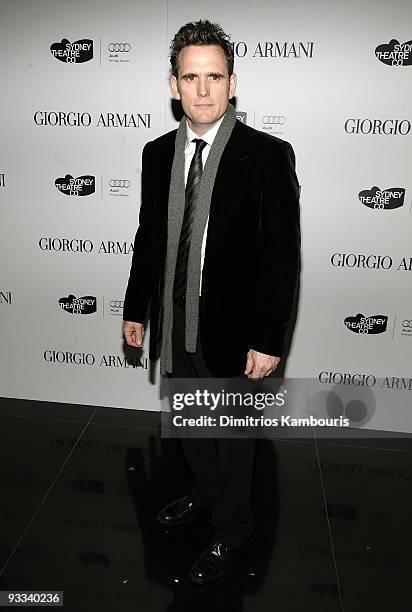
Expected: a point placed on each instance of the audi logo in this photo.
(119, 183)
(119, 47)
(116, 304)
(274, 119)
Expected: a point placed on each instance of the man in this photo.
(216, 258)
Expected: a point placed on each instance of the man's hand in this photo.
(259, 365)
(133, 333)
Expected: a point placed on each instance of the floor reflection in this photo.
(80, 491)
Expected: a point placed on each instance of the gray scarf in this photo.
(175, 220)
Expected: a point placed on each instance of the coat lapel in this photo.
(230, 174)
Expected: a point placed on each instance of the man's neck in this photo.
(200, 131)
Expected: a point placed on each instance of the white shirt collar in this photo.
(208, 137)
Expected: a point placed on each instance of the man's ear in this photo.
(232, 85)
(173, 87)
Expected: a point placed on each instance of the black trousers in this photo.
(222, 467)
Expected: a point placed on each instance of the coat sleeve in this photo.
(280, 252)
(137, 298)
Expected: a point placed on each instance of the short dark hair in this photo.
(201, 32)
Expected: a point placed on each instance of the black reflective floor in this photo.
(80, 487)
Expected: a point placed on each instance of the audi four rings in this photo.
(119, 47)
(274, 119)
(119, 183)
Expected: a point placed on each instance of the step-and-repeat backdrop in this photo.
(84, 85)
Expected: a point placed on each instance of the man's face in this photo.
(203, 85)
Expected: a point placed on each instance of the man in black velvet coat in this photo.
(249, 271)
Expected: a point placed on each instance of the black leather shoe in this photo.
(215, 560)
(179, 512)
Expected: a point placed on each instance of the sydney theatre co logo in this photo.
(85, 185)
(80, 186)
(81, 51)
(77, 52)
(374, 324)
(81, 305)
(395, 53)
(87, 304)
(383, 199)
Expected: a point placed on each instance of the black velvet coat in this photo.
(252, 248)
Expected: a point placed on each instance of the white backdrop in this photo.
(305, 70)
